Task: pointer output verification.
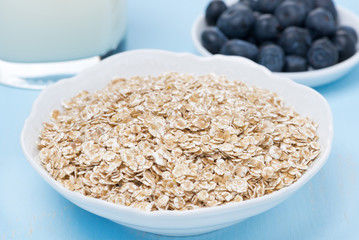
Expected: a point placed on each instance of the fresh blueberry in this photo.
(320, 23)
(240, 5)
(308, 4)
(290, 13)
(240, 48)
(295, 64)
(213, 39)
(256, 14)
(267, 6)
(252, 4)
(266, 27)
(328, 5)
(322, 54)
(213, 11)
(236, 21)
(345, 45)
(295, 41)
(350, 31)
(272, 57)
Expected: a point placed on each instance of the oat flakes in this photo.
(177, 142)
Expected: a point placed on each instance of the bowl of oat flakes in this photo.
(176, 144)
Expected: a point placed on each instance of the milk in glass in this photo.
(59, 30)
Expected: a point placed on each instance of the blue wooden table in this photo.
(325, 208)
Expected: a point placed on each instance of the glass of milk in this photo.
(42, 39)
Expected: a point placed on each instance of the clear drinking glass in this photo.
(42, 41)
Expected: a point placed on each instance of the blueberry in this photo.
(322, 54)
(345, 45)
(240, 5)
(236, 21)
(328, 5)
(267, 6)
(266, 27)
(240, 48)
(350, 31)
(295, 64)
(256, 14)
(252, 4)
(321, 23)
(213, 39)
(214, 10)
(272, 57)
(308, 4)
(290, 13)
(295, 41)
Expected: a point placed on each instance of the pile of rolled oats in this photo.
(177, 142)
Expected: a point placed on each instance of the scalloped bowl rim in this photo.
(314, 168)
(300, 77)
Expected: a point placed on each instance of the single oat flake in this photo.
(177, 142)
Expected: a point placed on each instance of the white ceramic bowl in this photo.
(144, 62)
(311, 78)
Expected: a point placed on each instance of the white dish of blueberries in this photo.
(312, 42)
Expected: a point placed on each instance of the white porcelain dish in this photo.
(311, 78)
(144, 62)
